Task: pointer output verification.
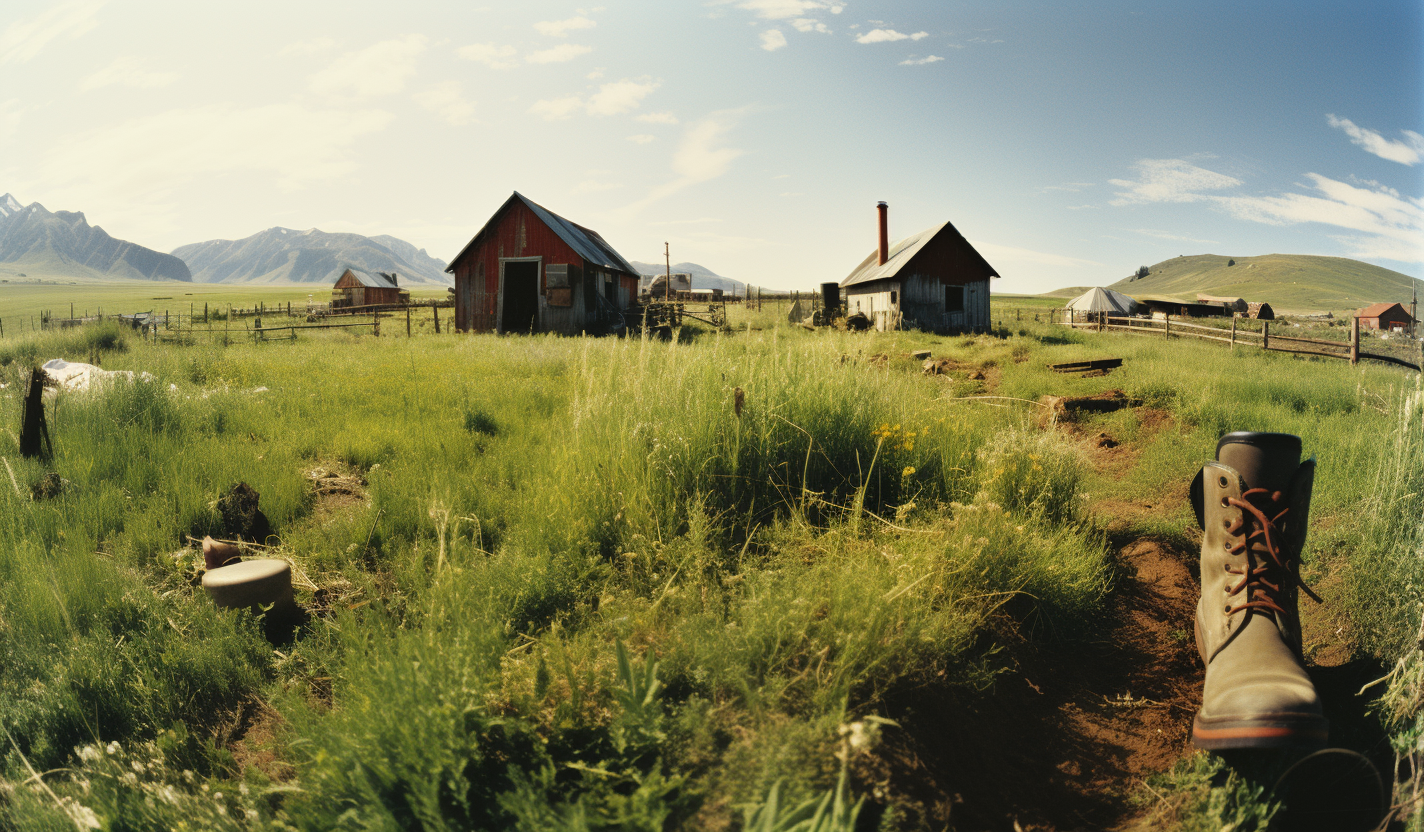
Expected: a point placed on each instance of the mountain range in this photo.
(284, 255)
(702, 277)
(63, 242)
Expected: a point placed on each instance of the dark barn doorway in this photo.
(519, 296)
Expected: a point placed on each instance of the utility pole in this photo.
(1414, 309)
(667, 259)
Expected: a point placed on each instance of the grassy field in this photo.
(1294, 283)
(723, 582)
(23, 300)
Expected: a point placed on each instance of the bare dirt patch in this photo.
(1072, 728)
(252, 738)
(336, 489)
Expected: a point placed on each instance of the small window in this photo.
(894, 297)
(954, 298)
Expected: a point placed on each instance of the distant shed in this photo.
(530, 270)
(1387, 316)
(358, 288)
(1237, 305)
(1160, 306)
(934, 280)
(1260, 311)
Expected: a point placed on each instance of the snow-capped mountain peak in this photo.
(9, 205)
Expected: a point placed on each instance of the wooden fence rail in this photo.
(1166, 327)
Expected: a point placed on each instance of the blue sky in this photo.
(1070, 142)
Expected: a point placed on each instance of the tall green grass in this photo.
(850, 537)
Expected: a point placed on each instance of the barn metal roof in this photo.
(585, 241)
(902, 252)
(379, 280)
(1375, 310)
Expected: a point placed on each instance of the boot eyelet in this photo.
(1226, 524)
(1221, 481)
(1226, 544)
(1225, 504)
(1227, 608)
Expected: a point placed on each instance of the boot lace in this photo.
(1275, 568)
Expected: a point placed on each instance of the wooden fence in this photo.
(1167, 327)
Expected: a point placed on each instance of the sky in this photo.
(1070, 142)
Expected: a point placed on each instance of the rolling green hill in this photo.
(1289, 282)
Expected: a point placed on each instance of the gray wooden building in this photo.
(933, 280)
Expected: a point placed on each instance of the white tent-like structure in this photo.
(1099, 299)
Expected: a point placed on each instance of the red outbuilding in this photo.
(1391, 317)
(531, 270)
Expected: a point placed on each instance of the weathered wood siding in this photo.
(518, 232)
(918, 300)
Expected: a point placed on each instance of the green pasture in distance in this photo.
(24, 297)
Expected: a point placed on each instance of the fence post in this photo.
(1355, 340)
(436, 310)
(1167, 324)
(407, 322)
(375, 323)
(1233, 333)
(1265, 335)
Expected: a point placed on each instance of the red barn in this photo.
(531, 270)
(1387, 316)
(358, 288)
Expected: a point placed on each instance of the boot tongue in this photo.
(1264, 460)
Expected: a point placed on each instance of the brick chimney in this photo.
(884, 231)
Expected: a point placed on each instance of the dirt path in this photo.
(1069, 733)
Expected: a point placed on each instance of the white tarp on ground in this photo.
(1099, 299)
(71, 375)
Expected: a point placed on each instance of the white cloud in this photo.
(1380, 223)
(561, 28)
(315, 46)
(554, 109)
(783, 9)
(700, 157)
(642, 138)
(128, 72)
(379, 69)
(1383, 225)
(772, 40)
(595, 75)
(656, 118)
(1166, 235)
(23, 39)
(1070, 187)
(613, 98)
(558, 54)
(447, 100)
(133, 168)
(928, 59)
(806, 24)
(887, 36)
(1170, 180)
(1407, 152)
(1010, 255)
(492, 55)
(620, 96)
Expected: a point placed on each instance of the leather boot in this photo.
(1253, 503)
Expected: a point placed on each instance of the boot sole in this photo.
(1279, 731)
